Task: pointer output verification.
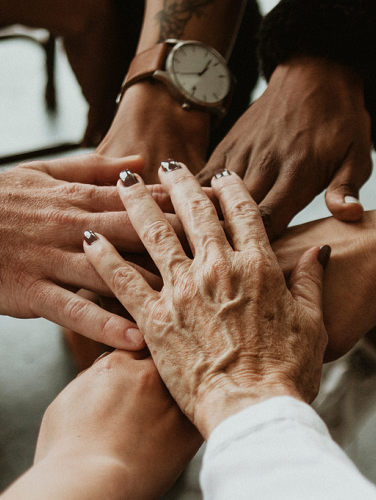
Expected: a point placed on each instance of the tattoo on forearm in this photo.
(175, 15)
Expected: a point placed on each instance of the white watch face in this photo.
(200, 72)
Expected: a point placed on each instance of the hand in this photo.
(114, 433)
(350, 279)
(308, 130)
(152, 123)
(224, 331)
(43, 217)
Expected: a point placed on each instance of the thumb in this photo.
(306, 282)
(342, 195)
(91, 168)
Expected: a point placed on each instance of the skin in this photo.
(308, 131)
(114, 433)
(149, 117)
(45, 207)
(349, 286)
(224, 332)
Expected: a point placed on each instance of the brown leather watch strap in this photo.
(145, 64)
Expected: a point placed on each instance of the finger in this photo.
(88, 168)
(342, 195)
(281, 205)
(67, 309)
(262, 174)
(241, 213)
(75, 271)
(124, 281)
(150, 223)
(194, 209)
(164, 202)
(306, 282)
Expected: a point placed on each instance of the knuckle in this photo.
(75, 190)
(77, 309)
(155, 234)
(148, 376)
(243, 209)
(199, 207)
(108, 363)
(120, 279)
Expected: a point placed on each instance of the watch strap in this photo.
(144, 65)
(148, 63)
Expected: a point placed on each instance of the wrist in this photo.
(150, 122)
(217, 404)
(308, 72)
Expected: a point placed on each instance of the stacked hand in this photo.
(350, 279)
(114, 433)
(224, 332)
(309, 130)
(45, 208)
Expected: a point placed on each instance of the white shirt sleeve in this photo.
(279, 449)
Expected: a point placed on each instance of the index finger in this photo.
(87, 168)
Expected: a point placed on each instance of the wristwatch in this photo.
(195, 73)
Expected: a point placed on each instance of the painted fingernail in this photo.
(352, 199)
(324, 255)
(101, 356)
(90, 237)
(223, 172)
(134, 336)
(170, 165)
(128, 178)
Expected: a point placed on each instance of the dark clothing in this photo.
(343, 31)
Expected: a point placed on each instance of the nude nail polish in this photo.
(128, 178)
(90, 237)
(170, 165)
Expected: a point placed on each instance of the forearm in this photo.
(214, 22)
(150, 120)
(70, 478)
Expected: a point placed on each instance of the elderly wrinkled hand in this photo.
(45, 207)
(224, 332)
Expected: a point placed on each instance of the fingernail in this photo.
(90, 237)
(101, 356)
(128, 178)
(324, 255)
(223, 172)
(170, 165)
(352, 199)
(134, 336)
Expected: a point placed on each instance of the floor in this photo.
(34, 363)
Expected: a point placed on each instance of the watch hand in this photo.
(205, 69)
